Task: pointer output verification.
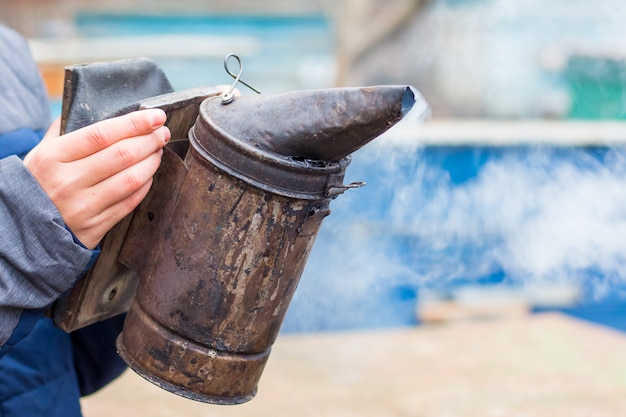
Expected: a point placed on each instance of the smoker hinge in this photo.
(334, 183)
(335, 190)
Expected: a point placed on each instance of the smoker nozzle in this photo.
(325, 125)
(297, 144)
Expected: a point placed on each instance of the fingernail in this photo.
(165, 134)
(158, 117)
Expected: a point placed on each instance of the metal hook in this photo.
(335, 190)
(228, 97)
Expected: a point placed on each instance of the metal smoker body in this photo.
(216, 249)
(211, 301)
(210, 304)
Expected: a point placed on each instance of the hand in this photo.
(97, 175)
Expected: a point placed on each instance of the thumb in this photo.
(54, 131)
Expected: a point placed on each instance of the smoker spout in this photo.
(325, 125)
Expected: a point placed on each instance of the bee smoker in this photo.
(208, 263)
(260, 173)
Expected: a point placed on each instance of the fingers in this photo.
(121, 155)
(95, 176)
(94, 138)
(106, 203)
(91, 233)
(124, 184)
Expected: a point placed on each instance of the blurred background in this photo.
(501, 196)
(505, 195)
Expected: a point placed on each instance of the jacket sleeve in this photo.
(39, 257)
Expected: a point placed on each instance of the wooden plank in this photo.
(537, 366)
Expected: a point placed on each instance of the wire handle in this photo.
(228, 96)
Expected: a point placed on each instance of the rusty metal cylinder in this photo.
(204, 322)
(211, 300)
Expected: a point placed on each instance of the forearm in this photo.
(39, 259)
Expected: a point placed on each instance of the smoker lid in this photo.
(325, 125)
(297, 143)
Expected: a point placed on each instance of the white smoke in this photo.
(546, 219)
(536, 215)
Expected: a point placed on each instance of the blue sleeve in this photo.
(39, 258)
(96, 361)
(27, 321)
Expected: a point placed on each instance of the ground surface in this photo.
(532, 366)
